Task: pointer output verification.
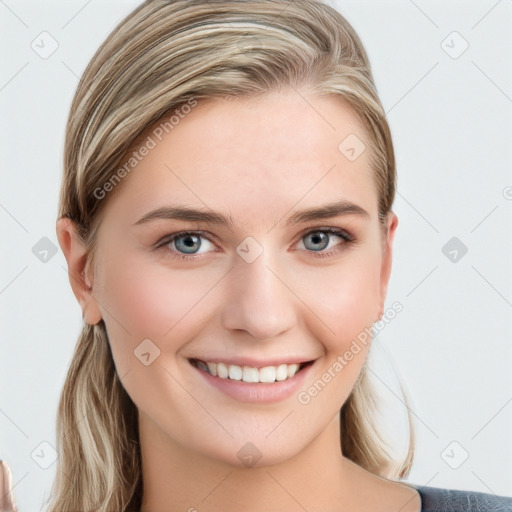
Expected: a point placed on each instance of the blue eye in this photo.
(319, 240)
(188, 245)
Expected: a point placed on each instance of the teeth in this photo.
(268, 374)
(282, 372)
(249, 373)
(235, 372)
(222, 370)
(292, 369)
(213, 368)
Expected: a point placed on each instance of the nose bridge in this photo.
(258, 301)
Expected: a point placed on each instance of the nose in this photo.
(258, 299)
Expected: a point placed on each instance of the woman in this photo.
(226, 215)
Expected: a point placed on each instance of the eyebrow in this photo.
(326, 211)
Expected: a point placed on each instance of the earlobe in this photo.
(76, 257)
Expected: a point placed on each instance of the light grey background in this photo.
(451, 118)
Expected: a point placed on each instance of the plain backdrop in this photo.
(443, 71)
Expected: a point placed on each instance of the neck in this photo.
(177, 479)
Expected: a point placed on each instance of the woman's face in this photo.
(268, 287)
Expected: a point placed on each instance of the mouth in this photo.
(250, 374)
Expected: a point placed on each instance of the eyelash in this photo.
(347, 237)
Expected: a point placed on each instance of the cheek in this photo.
(144, 299)
(343, 308)
(344, 297)
(149, 299)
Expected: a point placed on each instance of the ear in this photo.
(387, 256)
(76, 257)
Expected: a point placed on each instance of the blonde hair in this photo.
(164, 55)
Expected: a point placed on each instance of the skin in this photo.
(258, 160)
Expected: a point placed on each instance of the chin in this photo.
(251, 454)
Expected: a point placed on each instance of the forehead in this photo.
(253, 159)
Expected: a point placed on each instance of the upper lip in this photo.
(253, 362)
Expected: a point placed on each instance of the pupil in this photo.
(188, 242)
(320, 238)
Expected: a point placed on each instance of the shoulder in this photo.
(436, 499)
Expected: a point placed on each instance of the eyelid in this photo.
(327, 229)
(336, 231)
(167, 239)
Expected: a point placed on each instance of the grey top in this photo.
(435, 499)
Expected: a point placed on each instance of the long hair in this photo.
(165, 57)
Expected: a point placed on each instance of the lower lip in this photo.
(257, 392)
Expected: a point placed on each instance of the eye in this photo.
(186, 244)
(320, 239)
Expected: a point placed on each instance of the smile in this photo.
(250, 374)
